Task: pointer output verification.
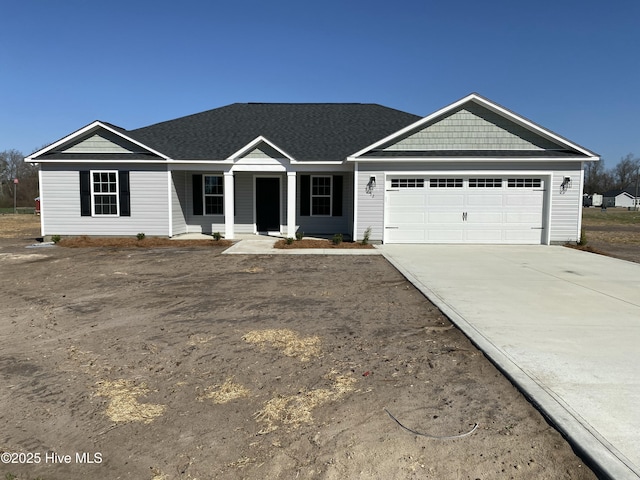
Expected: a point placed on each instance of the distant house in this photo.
(471, 172)
(620, 198)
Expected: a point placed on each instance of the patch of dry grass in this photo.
(17, 226)
(295, 410)
(615, 237)
(225, 393)
(612, 216)
(287, 341)
(123, 402)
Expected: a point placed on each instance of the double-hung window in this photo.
(104, 192)
(213, 195)
(321, 195)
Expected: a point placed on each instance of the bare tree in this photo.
(625, 172)
(594, 177)
(12, 166)
(597, 179)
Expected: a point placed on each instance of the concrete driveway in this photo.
(564, 325)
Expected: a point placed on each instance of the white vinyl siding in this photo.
(328, 225)
(177, 200)
(566, 206)
(148, 200)
(370, 204)
(244, 222)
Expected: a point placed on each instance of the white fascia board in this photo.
(92, 126)
(63, 140)
(97, 162)
(469, 159)
(254, 143)
(474, 97)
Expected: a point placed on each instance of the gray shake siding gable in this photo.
(324, 157)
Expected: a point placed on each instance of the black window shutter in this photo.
(337, 196)
(197, 194)
(305, 195)
(123, 182)
(85, 193)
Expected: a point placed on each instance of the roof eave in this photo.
(468, 159)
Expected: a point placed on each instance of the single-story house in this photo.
(471, 172)
(620, 198)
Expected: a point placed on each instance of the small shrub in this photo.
(217, 236)
(289, 240)
(367, 236)
(140, 236)
(299, 235)
(55, 238)
(337, 239)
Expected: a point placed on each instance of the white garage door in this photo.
(423, 209)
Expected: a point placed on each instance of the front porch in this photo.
(266, 201)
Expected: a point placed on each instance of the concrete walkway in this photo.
(564, 325)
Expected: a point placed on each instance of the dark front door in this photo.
(268, 204)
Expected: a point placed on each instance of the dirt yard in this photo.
(182, 363)
(615, 232)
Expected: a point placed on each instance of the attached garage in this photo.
(472, 172)
(464, 209)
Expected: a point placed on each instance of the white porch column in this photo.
(291, 204)
(229, 212)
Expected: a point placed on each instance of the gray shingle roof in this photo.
(306, 131)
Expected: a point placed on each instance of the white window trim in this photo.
(94, 193)
(205, 195)
(330, 177)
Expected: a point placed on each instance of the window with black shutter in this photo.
(104, 193)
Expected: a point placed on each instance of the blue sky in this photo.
(572, 66)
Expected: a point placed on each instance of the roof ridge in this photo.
(308, 103)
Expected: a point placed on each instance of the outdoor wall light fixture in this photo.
(566, 183)
(371, 185)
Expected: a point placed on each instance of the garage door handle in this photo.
(391, 228)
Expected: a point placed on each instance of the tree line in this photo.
(624, 175)
(12, 166)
